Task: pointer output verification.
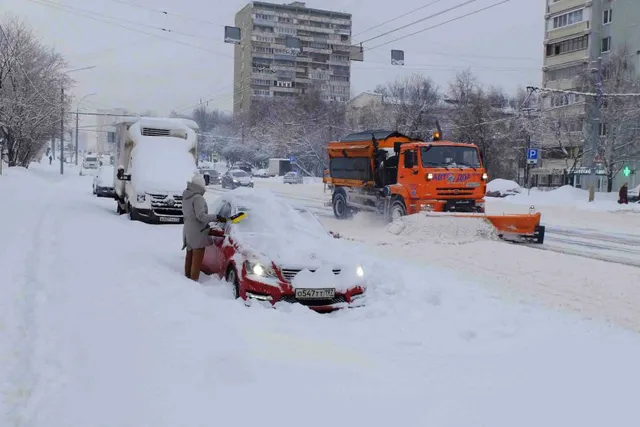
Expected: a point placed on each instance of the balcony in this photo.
(577, 56)
(571, 30)
(566, 5)
(561, 84)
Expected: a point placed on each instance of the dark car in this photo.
(236, 178)
(211, 176)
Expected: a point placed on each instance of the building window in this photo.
(566, 46)
(260, 92)
(283, 30)
(264, 17)
(606, 44)
(261, 82)
(564, 99)
(567, 73)
(607, 17)
(284, 84)
(567, 19)
(602, 129)
(111, 137)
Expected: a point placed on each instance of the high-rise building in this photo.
(577, 34)
(264, 67)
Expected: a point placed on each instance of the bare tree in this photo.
(485, 118)
(614, 132)
(410, 104)
(31, 80)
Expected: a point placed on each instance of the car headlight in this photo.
(141, 198)
(235, 181)
(259, 269)
(360, 271)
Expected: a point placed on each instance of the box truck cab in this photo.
(156, 157)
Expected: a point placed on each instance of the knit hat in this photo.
(198, 180)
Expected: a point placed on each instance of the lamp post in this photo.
(62, 116)
(77, 120)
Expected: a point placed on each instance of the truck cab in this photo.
(438, 176)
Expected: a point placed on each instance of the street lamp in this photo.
(77, 120)
(62, 116)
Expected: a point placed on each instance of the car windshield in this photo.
(449, 156)
(282, 219)
(91, 159)
(239, 174)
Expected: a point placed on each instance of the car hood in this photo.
(295, 251)
(242, 179)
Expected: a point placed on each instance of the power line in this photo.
(130, 29)
(91, 12)
(440, 24)
(166, 13)
(442, 12)
(393, 19)
(573, 92)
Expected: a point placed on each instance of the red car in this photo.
(279, 253)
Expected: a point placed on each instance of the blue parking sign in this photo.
(532, 155)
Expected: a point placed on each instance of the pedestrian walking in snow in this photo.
(195, 234)
(50, 159)
(622, 195)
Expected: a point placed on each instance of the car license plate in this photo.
(315, 293)
(169, 219)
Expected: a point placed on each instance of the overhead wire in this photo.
(442, 12)
(166, 13)
(440, 24)
(396, 18)
(60, 7)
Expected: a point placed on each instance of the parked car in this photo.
(236, 178)
(244, 166)
(279, 253)
(103, 182)
(261, 173)
(292, 178)
(211, 176)
(633, 195)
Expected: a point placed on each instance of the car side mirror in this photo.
(216, 232)
(409, 159)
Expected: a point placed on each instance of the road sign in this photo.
(532, 156)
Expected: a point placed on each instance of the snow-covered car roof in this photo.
(276, 231)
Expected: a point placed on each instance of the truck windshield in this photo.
(449, 156)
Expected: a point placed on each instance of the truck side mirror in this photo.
(122, 176)
(409, 159)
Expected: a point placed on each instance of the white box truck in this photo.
(279, 167)
(155, 159)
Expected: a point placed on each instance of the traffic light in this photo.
(626, 171)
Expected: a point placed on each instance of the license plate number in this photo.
(315, 293)
(169, 219)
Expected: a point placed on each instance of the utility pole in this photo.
(596, 119)
(77, 120)
(62, 131)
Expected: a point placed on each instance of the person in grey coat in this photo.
(195, 233)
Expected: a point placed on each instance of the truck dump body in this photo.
(393, 174)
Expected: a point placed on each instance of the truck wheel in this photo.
(340, 207)
(396, 211)
(132, 214)
(119, 209)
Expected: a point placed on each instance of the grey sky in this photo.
(502, 45)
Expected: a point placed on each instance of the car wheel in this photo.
(232, 277)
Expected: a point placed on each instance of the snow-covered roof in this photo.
(162, 122)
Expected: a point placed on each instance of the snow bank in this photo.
(568, 196)
(442, 229)
(502, 187)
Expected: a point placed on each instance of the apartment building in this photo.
(265, 68)
(577, 33)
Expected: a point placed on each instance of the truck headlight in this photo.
(359, 271)
(429, 176)
(141, 198)
(485, 176)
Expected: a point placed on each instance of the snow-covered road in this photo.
(574, 270)
(99, 328)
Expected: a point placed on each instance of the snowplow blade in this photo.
(510, 227)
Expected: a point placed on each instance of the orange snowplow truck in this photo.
(393, 175)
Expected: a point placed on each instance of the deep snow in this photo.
(99, 328)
